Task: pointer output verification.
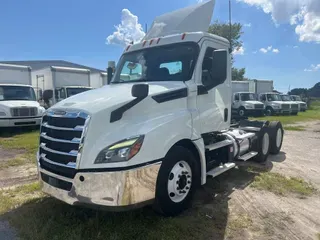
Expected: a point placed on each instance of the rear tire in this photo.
(276, 136)
(176, 183)
(262, 146)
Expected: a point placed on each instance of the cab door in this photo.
(214, 87)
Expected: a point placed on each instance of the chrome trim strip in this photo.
(77, 128)
(52, 113)
(72, 153)
(55, 175)
(69, 165)
(75, 140)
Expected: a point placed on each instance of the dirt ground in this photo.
(239, 211)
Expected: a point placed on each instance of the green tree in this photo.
(223, 30)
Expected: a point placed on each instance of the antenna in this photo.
(230, 25)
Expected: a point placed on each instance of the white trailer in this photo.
(54, 83)
(261, 86)
(18, 104)
(98, 80)
(244, 102)
(157, 135)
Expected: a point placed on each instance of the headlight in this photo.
(41, 110)
(2, 114)
(249, 106)
(121, 151)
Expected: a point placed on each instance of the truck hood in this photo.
(19, 103)
(112, 96)
(280, 102)
(253, 102)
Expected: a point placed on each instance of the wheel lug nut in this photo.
(189, 182)
(187, 188)
(188, 176)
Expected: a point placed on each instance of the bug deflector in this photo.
(195, 18)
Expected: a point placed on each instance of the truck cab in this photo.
(294, 107)
(155, 136)
(297, 99)
(245, 104)
(273, 104)
(18, 106)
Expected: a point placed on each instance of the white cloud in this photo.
(313, 68)
(295, 46)
(239, 51)
(303, 14)
(269, 49)
(247, 25)
(128, 30)
(263, 50)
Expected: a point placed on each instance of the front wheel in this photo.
(242, 112)
(176, 183)
(269, 111)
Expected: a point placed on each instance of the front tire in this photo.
(176, 183)
(242, 112)
(269, 111)
(276, 136)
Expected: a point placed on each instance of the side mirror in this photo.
(219, 66)
(140, 91)
(110, 74)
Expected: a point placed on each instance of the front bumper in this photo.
(20, 122)
(106, 188)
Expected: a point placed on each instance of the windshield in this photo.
(174, 62)
(274, 97)
(247, 97)
(296, 98)
(285, 98)
(75, 91)
(8, 93)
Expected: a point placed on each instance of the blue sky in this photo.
(278, 45)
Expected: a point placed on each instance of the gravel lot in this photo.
(268, 216)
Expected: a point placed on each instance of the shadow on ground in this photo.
(11, 132)
(47, 218)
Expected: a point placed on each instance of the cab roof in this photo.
(14, 85)
(176, 38)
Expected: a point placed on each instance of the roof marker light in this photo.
(183, 36)
(144, 43)
(158, 40)
(151, 41)
(128, 47)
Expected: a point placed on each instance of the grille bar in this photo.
(74, 140)
(69, 165)
(77, 128)
(24, 112)
(71, 153)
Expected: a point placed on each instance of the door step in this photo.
(217, 145)
(221, 169)
(247, 156)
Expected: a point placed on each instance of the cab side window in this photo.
(207, 66)
(263, 98)
(236, 97)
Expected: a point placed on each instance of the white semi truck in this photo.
(294, 106)
(18, 104)
(244, 102)
(157, 135)
(55, 83)
(297, 99)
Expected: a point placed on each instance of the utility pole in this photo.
(230, 25)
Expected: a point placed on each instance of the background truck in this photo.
(18, 104)
(54, 84)
(244, 103)
(294, 107)
(297, 99)
(261, 86)
(157, 136)
(274, 104)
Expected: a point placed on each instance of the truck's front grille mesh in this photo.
(61, 135)
(24, 112)
(295, 106)
(285, 106)
(258, 106)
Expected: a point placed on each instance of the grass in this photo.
(282, 185)
(313, 113)
(318, 236)
(26, 141)
(294, 128)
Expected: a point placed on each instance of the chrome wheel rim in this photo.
(265, 143)
(241, 113)
(179, 181)
(279, 137)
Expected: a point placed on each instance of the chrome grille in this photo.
(285, 106)
(295, 106)
(61, 137)
(24, 112)
(258, 106)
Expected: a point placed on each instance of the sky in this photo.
(281, 39)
